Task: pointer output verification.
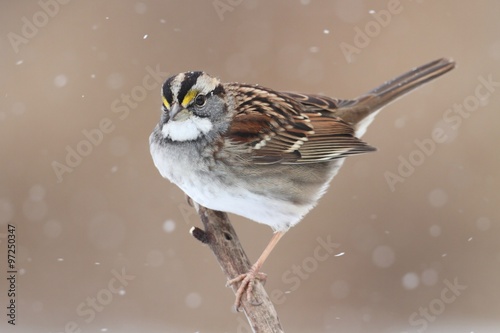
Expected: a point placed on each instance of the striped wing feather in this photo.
(291, 128)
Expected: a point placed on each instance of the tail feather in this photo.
(355, 111)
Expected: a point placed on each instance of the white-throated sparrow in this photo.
(260, 153)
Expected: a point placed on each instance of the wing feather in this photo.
(290, 128)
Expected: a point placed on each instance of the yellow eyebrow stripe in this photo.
(189, 97)
(165, 102)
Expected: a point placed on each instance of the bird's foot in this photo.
(247, 282)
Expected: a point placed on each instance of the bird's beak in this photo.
(178, 113)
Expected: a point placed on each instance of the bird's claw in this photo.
(247, 282)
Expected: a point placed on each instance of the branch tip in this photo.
(199, 234)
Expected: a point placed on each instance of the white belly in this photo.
(223, 194)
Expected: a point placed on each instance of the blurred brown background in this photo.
(423, 255)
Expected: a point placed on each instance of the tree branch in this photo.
(220, 236)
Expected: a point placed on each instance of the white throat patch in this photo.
(190, 129)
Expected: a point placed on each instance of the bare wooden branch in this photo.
(220, 236)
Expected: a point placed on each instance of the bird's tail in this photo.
(355, 111)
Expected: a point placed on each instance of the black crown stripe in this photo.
(189, 81)
(167, 91)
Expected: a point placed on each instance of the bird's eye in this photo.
(200, 100)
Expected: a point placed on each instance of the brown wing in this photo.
(315, 103)
(281, 128)
(350, 111)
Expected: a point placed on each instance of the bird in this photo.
(264, 154)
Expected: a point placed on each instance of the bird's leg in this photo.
(248, 279)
